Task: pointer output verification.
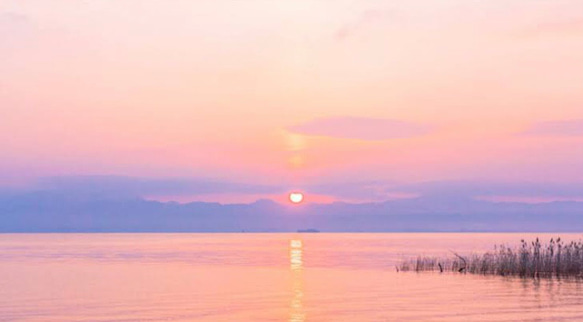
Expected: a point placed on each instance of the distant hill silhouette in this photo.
(46, 211)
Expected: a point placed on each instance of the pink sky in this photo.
(300, 92)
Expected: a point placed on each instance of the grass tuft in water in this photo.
(529, 259)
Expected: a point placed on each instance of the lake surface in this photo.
(265, 277)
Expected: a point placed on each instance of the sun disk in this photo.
(296, 197)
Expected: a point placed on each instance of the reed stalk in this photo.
(529, 259)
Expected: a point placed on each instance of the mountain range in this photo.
(48, 211)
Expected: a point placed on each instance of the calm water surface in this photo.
(264, 277)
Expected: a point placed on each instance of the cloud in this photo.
(17, 33)
(135, 187)
(572, 27)
(371, 191)
(556, 128)
(526, 192)
(369, 129)
(120, 186)
(439, 192)
(367, 17)
(14, 28)
(11, 20)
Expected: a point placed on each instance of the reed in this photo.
(529, 259)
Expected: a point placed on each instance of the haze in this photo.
(235, 101)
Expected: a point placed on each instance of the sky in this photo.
(234, 101)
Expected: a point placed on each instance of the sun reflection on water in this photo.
(296, 265)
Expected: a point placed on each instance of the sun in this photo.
(296, 197)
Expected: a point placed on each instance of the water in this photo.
(264, 277)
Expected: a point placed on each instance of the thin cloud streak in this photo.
(573, 27)
(556, 128)
(224, 191)
(367, 17)
(121, 186)
(361, 128)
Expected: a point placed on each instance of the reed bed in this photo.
(529, 259)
